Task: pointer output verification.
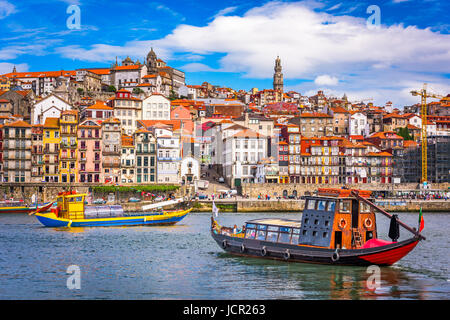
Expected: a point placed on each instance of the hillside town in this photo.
(141, 123)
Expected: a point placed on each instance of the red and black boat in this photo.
(338, 226)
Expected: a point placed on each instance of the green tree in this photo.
(111, 89)
(404, 132)
(138, 91)
(80, 91)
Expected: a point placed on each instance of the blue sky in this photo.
(324, 45)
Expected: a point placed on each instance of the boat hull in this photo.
(21, 209)
(50, 220)
(383, 255)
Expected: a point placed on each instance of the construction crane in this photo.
(423, 113)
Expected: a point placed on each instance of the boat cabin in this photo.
(70, 205)
(331, 219)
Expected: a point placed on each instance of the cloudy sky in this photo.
(330, 45)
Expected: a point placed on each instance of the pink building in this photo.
(90, 151)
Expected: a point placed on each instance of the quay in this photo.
(288, 205)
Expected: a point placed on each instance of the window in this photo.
(344, 206)
(311, 204)
(261, 234)
(295, 235)
(285, 235)
(321, 205)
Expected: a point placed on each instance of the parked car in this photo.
(134, 200)
(202, 196)
(99, 201)
(159, 198)
(221, 180)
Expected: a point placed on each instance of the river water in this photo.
(184, 262)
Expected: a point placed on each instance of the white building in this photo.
(49, 107)
(168, 156)
(358, 124)
(189, 170)
(242, 155)
(156, 107)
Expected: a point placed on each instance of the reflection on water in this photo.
(183, 262)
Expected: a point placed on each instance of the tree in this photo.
(138, 91)
(111, 89)
(404, 132)
(80, 91)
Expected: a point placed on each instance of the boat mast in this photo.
(413, 231)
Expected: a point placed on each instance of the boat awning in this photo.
(162, 204)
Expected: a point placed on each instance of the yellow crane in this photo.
(423, 113)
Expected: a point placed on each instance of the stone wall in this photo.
(274, 190)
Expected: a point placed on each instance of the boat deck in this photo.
(277, 222)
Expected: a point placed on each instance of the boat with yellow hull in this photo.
(72, 212)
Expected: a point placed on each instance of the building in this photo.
(129, 74)
(111, 150)
(50, 106)
(155, 107)
(314, 124)
(291, 135)
(97, 111)
(51, 141)
(169, 156)
(90, 151)
(171, 77)
(146, 158)
(127, 109)
(189, 170)
(128, 160)
(17, 151)
(278, 76)
(358, 124)
(68, 155)
(37, 153)
(340, 121)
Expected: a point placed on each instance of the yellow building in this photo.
(68, 126)
(5, 84)
(51, 140)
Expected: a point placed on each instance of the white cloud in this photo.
(197, 67)
(6, 67)
(6, 9)
(326, 80)
(310, 43)
(225, 11)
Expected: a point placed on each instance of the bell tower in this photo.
(278, 76)
(151, 62)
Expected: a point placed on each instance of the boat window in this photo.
(285, 235)
(250, 233)
(331, 206)
(364, 207)
(250, 225)
(272, 236)
(273, 228)
(311, 204)
(262, 227)
(321, 205)
(78, 199)
(344, 206)
(294, 239)
(261, 235)
(296, 230)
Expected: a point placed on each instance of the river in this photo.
(183, 262)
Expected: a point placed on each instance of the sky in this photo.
(373, 51)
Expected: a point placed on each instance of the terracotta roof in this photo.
(18, 123)
(315, 115)
(100, 105)
(410, 144)
(248, 133)
(379, 154)
(131, 67)
(51, 123)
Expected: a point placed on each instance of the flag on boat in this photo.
(215, 210)
(421, 222)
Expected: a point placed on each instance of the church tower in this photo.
(278, 76)
(152, 63)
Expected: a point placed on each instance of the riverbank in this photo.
(246, 205)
